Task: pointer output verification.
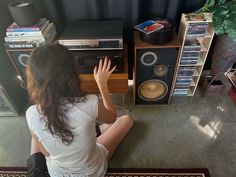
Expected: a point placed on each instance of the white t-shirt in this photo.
(83, 157)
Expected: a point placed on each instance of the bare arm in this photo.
(38, 145)
(106, 109)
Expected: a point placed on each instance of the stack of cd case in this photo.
(183, 81)
(186, 71)
(197, 29)
(192, 45)
(191, 52)
(181, 91)
(188, 62)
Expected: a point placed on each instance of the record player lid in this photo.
(93, 29)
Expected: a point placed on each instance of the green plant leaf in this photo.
(219, 2)
(230, 26)
(207, 6)
(221, 10)
(218, 23)
(219, 17)
(209, 3)
(232, 6)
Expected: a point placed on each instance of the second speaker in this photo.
(154, 71)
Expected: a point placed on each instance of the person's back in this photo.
(83, 156)
(62, 122)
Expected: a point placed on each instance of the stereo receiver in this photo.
(87, 60)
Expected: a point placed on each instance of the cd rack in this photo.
(196, 36)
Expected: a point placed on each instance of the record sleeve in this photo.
(149, 26)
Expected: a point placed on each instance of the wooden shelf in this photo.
(205, 42)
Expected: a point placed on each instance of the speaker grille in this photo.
(154, 74)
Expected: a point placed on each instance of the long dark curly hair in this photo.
(53, 82)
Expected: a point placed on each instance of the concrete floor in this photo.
(191, 132)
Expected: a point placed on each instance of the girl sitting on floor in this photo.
(62, 121)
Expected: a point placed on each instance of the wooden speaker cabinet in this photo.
(154, 71)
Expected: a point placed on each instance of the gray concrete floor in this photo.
(191, 132)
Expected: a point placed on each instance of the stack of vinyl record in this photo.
(43, 32)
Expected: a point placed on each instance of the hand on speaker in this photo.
(103, 72)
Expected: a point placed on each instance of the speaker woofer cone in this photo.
(152, 90)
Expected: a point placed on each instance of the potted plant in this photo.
(224, 23)
(224, 15)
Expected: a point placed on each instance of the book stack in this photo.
(43, 32)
